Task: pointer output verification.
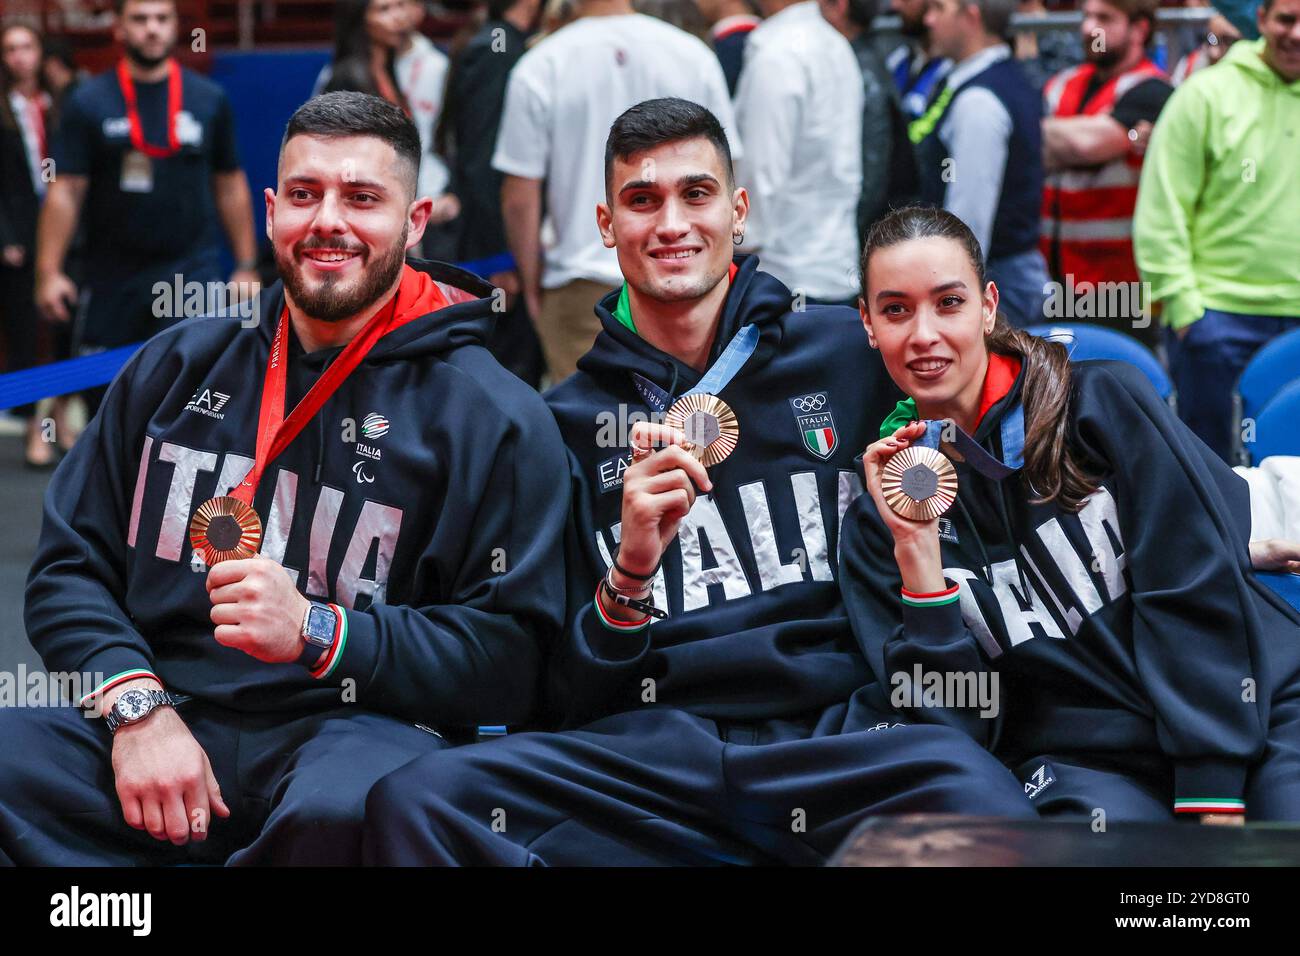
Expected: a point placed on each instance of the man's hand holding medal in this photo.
(256, 609)
(669, 462)
(659, 488)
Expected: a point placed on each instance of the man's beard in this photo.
(142, 60)
(1102, 58)
(326, 302)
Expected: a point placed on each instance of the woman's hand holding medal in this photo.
(916, 541)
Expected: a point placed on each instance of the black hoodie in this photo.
(757, 630)
(427, 498)
(1132, 629)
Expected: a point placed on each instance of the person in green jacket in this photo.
(1215, 232)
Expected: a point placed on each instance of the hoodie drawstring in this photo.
(320, 434)
(1010, 535)
(1004, 516)
(986, 566)
(672, 381)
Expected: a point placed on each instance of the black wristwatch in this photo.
(319, 625)
(135, 705)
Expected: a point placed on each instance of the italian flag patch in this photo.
(820, 441)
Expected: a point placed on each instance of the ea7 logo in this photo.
(215, 401)
(1039, 780)
(812, 414)
(208, 402)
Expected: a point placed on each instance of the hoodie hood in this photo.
(466, 319)
(755, 298)
(1248, 57)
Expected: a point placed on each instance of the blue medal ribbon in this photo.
(1013, 444)
(729, 363)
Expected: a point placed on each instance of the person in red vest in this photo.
(1097, 117)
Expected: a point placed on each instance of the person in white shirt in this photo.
(799, 110)
(562, 98)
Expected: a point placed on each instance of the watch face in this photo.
(320, 624)
(132, 704)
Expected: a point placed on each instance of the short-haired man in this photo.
(743, 726)
(562, 95)
(979, 147)
(1215, 228)
(408, 495)
(147, 150)
(1099, 115)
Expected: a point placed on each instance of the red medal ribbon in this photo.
(133, 114)
(274, 431)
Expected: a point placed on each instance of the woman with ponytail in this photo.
(1086, 606)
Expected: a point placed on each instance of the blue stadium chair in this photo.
(1277, 427)
(1271, 369)
(1085, 341)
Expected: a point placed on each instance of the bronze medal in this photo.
(919, 483)
(225, 529)
(709, 424)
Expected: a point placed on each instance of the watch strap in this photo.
(313, 651)
(157, 698)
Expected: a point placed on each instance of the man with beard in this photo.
(148, 150)
(408, 496)
(1098, 117)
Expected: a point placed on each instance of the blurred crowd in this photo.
(1105, 183)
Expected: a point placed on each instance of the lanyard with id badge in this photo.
(137, 162)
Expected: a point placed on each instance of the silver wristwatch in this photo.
(135, 705)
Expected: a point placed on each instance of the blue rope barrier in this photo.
(60, 378)
(90, 371)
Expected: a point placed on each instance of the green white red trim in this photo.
(116, 679)
(326, 667)
(932, 599)
(1208, 805)
(624, 627)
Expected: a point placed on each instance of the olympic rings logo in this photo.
(810, 403)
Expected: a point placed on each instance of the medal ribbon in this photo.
(133, 113)
(274, 431)
(1013, 439)
(730, 362)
